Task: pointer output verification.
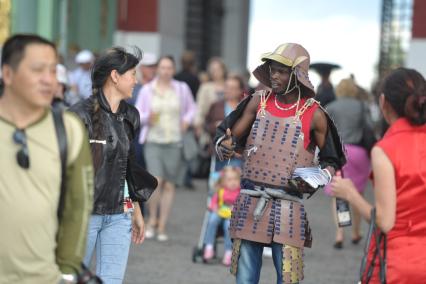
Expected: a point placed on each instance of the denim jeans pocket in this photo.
(128, 215)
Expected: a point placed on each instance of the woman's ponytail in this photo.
(415, 105)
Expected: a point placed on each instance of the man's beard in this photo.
(291, 86)
(282, 90)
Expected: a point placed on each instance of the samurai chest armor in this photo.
(274, 148)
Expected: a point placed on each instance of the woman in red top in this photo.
(399, 179)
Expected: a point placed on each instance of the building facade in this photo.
(71, 24)
(403, 35)
(207, 27)
(416, 56)
(168, 27)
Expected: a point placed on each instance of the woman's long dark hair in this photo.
(116, 58)
(405, 90)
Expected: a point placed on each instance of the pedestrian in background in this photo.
(145, 73)
(166, 109)
(81, 83)
(349, 112)
(60, 98)
(188, 74)
(234, 92)
(211, 91)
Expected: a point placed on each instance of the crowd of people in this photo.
(94, 157)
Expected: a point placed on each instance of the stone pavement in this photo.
(171, 262)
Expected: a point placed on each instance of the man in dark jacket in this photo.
(325, 90)
(188, 72)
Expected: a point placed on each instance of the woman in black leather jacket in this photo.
(112, 124)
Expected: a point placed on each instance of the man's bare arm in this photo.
(244, 124)
(241, 128)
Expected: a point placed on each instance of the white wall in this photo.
(235, 34)
(416, 57)
(171, 18)
(170, 37)
(148, 42)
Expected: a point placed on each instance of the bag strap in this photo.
(363, 113)
(85, 276)
(366, 113)
(366, 247)
(367, 269)
(62, 143)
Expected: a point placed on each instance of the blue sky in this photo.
(343, 32)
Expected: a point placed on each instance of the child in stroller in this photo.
(220, 207)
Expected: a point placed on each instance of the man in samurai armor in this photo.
(291, 148)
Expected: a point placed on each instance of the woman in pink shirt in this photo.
(166, 109)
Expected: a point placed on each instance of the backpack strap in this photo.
(62, 143)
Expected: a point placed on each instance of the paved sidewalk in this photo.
(170, 262)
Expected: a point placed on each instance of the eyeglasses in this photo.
(22, 157)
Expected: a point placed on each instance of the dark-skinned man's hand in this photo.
(227, 146)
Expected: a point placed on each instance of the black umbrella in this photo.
(324, 69)
(325, 91)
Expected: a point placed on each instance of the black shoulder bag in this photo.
(368, 138)
(366, 270)
(85, 277)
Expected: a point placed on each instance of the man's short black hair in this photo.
(14, 48)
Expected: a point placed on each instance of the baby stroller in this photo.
(198, 251)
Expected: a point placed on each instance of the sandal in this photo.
(338, 245)
(355, 241)
(149, 233)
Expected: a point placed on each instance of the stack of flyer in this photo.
(314, 176)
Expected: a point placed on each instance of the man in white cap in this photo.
(62, 87)
(80, 81)
(148, 67)
(146, 72)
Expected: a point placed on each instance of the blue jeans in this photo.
(111, 234)
(214, 222)
(250, 262)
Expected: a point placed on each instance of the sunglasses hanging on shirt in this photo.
(22, 156)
